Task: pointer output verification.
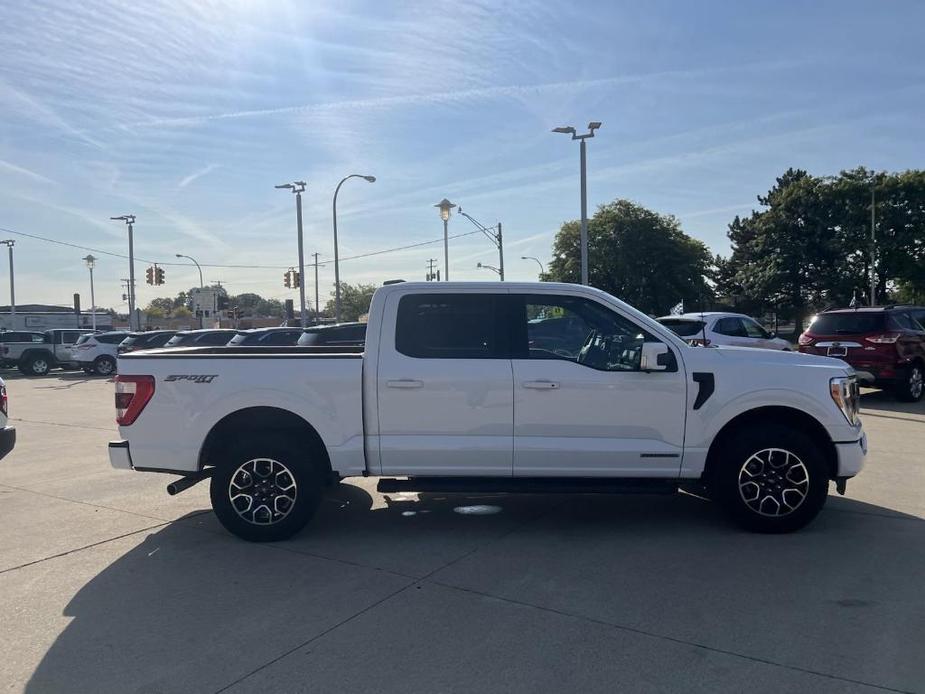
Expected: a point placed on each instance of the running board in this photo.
(530, 485)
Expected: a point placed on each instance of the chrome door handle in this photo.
(541, 385)
(405, 383)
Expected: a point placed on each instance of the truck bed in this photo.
(196, 388)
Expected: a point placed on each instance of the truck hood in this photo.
(771, 357)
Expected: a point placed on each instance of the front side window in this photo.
(577, 330)
(731, 327)
(448, 326)
(752, 329)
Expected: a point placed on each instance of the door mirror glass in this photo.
(655, 356)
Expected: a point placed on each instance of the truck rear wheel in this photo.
(266, 490)
(35, 366)
(771, 480)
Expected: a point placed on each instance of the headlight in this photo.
(844, 391)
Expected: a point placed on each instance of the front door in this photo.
(582, 406)
(445, 390)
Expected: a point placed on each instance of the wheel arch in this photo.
(260, 420)
(776, 414)
(36, 352)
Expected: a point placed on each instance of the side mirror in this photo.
(655, 357)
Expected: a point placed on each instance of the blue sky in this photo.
(188, 113)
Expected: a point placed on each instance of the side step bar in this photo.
(529, 485)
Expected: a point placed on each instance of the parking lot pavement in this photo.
(109, 585)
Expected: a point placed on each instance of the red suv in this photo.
(884, 344)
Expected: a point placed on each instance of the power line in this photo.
(216, 265)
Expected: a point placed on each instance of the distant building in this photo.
(48, 317)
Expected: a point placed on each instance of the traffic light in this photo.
(287, 279)
(296, 279)
(158, 275)
(149, 275)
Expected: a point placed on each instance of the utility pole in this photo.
(431, 275)
(129, 219)
(495, 237)
(569, 130)
(9, 244)
(315, 255)
(873, 248)
(297, 187)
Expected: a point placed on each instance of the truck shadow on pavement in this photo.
(191, 608)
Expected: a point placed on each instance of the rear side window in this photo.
(112, 339)
(280, 338)
(684, 328)
(903, 321)
(214, 339)
(847, 323)
(448, 326)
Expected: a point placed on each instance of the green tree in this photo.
(354, 301)
(159, 307)
(637, 255)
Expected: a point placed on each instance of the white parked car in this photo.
(720, 329)
(491, 387)
(97, 352)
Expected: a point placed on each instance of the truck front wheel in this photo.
(266, 490)
(771, 480)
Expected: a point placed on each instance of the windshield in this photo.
(847, 323)
(681, 327)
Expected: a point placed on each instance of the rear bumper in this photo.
(851, 456)
(120, 457)
(7, 440)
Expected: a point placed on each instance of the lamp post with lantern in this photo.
(90, 262)
(445, 207)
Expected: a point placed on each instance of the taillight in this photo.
(884, 339)
(805, 339)
(4, 404)
(132, 394)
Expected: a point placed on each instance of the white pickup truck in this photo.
(534, 387)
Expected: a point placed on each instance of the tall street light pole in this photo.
(9, 244)
(201, 284)
(297, 187)
(445, 207)
(538, 262)
(370, 179)
(569, 130)
(129, 219)
(91, 262)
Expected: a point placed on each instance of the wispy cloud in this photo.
(462, 96)
(21, 170)
(197, 174)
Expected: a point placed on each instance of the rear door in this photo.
(444, 385)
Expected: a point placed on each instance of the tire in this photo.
(910, 386)
(104, 366)
(288, 473)
(38, 365)
(771, 479)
